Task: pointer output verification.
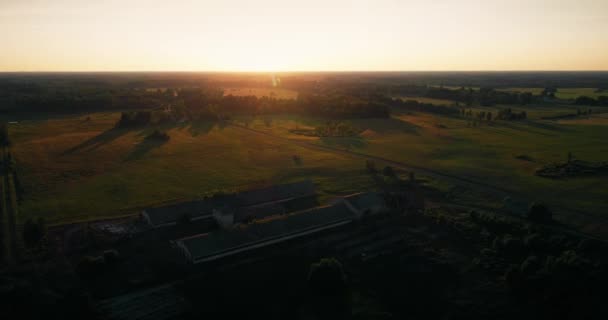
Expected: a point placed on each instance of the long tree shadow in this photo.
(97, 141)
(344, 142)
(201, 127)
(143, 147)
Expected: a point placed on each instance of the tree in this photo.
(540, 213)
(4, 140)
(326, 278)
(370, 165)
(388, 171)
(184, 219)
(33, 232)
(328, 291)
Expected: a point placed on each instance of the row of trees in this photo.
(588, 101)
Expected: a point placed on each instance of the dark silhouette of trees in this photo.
(539, 212)
(370, 165)
(388, 171)
(328, 290)
(4, 139)
(33, 232)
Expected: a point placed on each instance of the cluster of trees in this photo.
(158, 135)
(4, 139)
(508, 114)
(336, 129)
(41, 97)
(388, 171)
(484, 96)
(34, 232)
(480, 115)
(414, 105)
(588, 101)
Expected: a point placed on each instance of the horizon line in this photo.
(297, 71)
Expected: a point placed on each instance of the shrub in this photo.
(388, 171)
(90, 265)
(33, 232)
(158, 136)
(111, 256)
(530, 266)
(540, 213)
(326, 277)
(370, 165)
(184, 219)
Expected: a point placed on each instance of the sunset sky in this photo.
(281, 35)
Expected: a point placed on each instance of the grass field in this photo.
(485, 153)
(73, 169)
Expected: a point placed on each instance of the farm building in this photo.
(242, 207)
(191, 210)
(245, 237)
(365, 202)
(258, 204)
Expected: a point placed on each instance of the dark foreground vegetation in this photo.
(439, 264)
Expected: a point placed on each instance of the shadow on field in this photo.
(97, 141)
(201, 127)
(547, 126)
(390, 125)
(344, 142)
(533, 127)
(143, 148)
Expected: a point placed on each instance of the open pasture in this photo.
(490, 152)
(74, 169)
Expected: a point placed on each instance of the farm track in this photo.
(498, 190)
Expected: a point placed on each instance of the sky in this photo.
(307, 35)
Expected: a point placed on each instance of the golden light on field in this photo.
(273, 35)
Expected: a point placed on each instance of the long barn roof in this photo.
(204, 246)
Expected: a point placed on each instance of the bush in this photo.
(370, 165)
(326, 277)
(33, 232)
(184, 219)
(539, 213)
(388, 171)
(111, 256)
(530, 266)
(158, 136)
(90, 265)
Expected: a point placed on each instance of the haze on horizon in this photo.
(274, 35)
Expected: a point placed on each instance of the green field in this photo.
(485, 153)
(73, 168)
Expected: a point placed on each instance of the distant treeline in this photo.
(188, 103)
(33, 98)
(211, 104)
(588, 101)
(467, 96)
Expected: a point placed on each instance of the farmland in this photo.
(75, 169)
(82, 168)
(454, 173)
